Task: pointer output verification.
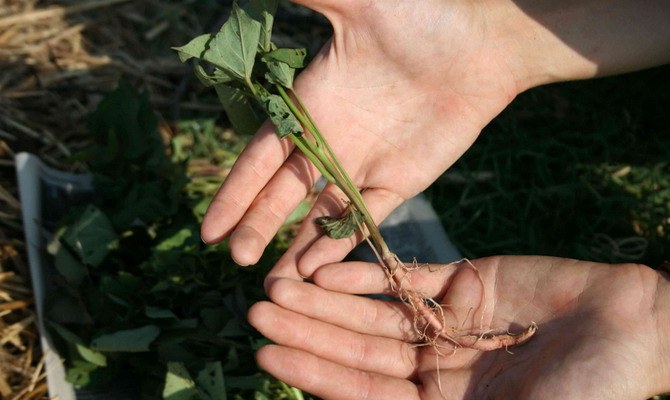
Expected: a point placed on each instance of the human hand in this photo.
(602, 332)
(400, 92)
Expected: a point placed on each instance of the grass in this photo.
(578, 170)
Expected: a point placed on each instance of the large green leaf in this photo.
(239, 109)
(233, 48)
(131, 340)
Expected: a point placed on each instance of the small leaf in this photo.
(343, 227)
(294, 58)
(131, 340)
(282, 117)
(280, 73)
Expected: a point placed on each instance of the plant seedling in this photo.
(242, 63)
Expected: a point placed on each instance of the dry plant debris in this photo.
(58, 59)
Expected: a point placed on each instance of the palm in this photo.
(595, 337)
(399, 93)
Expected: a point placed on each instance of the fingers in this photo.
(431, 280)
(347, 348)
(328, 203)
(355, 313)
(256, 165)
(272, 206)
(330, 380)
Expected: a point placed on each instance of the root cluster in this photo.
(429, 318)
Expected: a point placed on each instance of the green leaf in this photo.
(175, 241)
(294, 58)
(67, 264)
(125, 127)
(131, 340)
(343, 227)
(159, 313)
(263, 11)
(178, 383)
(210, 379)
(86, 353)
(285, 122)
(217, 77)
(79, 375)
(91, 236)
(239, 110)
(280, 73)
(233, 48)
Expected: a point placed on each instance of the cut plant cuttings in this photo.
(264, 74)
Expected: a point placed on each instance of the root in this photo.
(429, 318)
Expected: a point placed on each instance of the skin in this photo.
(602, 332)
(401, 91)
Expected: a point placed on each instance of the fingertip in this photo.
(246, 246)
(256, 313)
(209, 232)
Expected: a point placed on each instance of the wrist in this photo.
(544, 41)
(534, 54)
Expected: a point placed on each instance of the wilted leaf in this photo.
(343, 227)
(282, 117)
(131, 340)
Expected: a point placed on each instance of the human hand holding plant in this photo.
(603, 332)
(404, 88)
(400, 93)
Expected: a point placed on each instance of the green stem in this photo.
(330, 163)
